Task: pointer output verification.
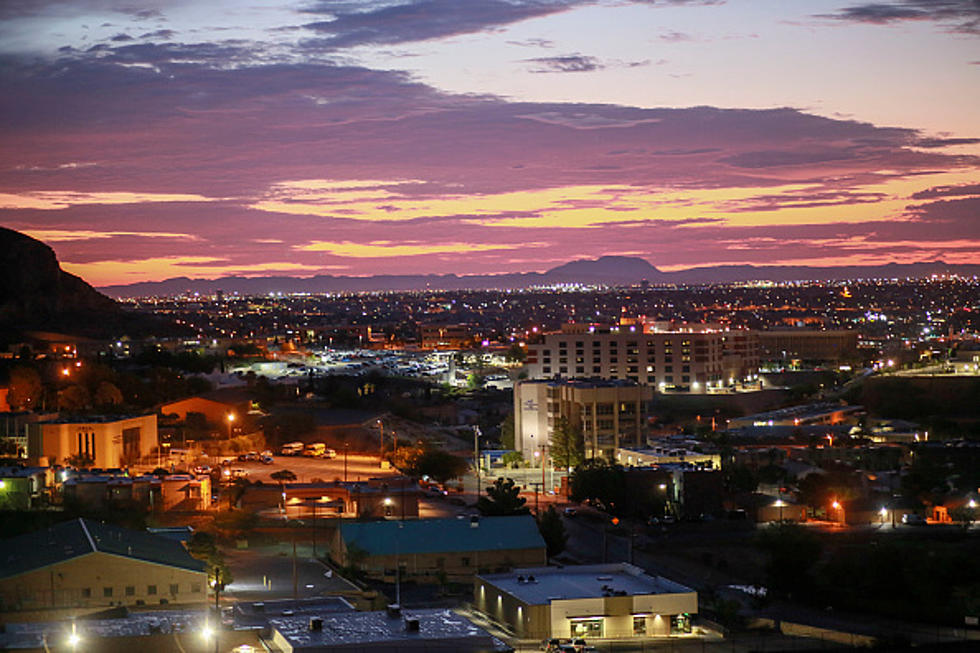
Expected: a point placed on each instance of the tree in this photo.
(552, 529)
(73, 398)
(25, 388)
(439, 465)
(567, 445)
(79, 461)
(108, 394)
(740, 478)
(603, 482)
(503, 499)
(507, 432)
(512, 459)
(516, 354)
(792, 552)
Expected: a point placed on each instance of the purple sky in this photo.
(492, 136)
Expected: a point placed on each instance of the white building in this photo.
(591, 601)
(610, 414)
(692, 358)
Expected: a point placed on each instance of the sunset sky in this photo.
(150, 140)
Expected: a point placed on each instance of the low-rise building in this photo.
(22, 488)
(428, 549)
(105, 440)
(83, 566)
(391, 630)
(590, 601)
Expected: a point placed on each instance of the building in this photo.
(805, 415)
(445, 336)
(391, 630)
(610, 414)
(591, 601)
(106, 440)
(83, 565)
(664, 453)
(23, 488)
(692, 358)
(174, 492)
(216, 406)
(808, 345)
(427, 549)
(388, 497)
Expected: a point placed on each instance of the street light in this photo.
(779, 504)
(231, 420)
(73, 639)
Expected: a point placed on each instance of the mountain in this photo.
(606, 270)
(37, 295)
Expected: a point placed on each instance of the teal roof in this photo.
(443, 535)
(79, 537)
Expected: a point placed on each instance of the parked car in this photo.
(329, 453)
(913, 519)
(267, 460)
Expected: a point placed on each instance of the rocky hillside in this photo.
(37, 294)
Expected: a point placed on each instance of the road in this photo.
(266, 573)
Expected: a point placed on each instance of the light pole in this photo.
(381, 439)
(231, 420)
(346, 449)
(476, 457)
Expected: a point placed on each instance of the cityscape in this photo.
(524, 325)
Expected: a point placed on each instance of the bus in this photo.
(292, 449)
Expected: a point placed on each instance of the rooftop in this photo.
(437, 630)
(440, 535)
(79, 537)
(542, 585)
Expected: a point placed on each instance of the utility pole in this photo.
(476, 457)
(295, 574)
(381, 438)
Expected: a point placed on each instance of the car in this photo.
(267, 460)
(913, 519)
(570, 512)
(329, 453)
(202, 470)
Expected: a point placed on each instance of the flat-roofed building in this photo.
(808, 345)
(693, 358)
(84, 565)
(425, 549)
(106, 440)
(392, 630)
(591, 601)
(609, 414)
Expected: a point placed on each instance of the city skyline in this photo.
(360, 138)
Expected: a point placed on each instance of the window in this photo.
(547, 369)
(130, 590)
(639, 626)
(196, 588)
(586, 627)
(107, 592)
(151, 589)
(86, 592)
(173, 588)
(464, 562)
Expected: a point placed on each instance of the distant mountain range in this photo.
(607, 270)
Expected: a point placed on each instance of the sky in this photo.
(168, 138)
